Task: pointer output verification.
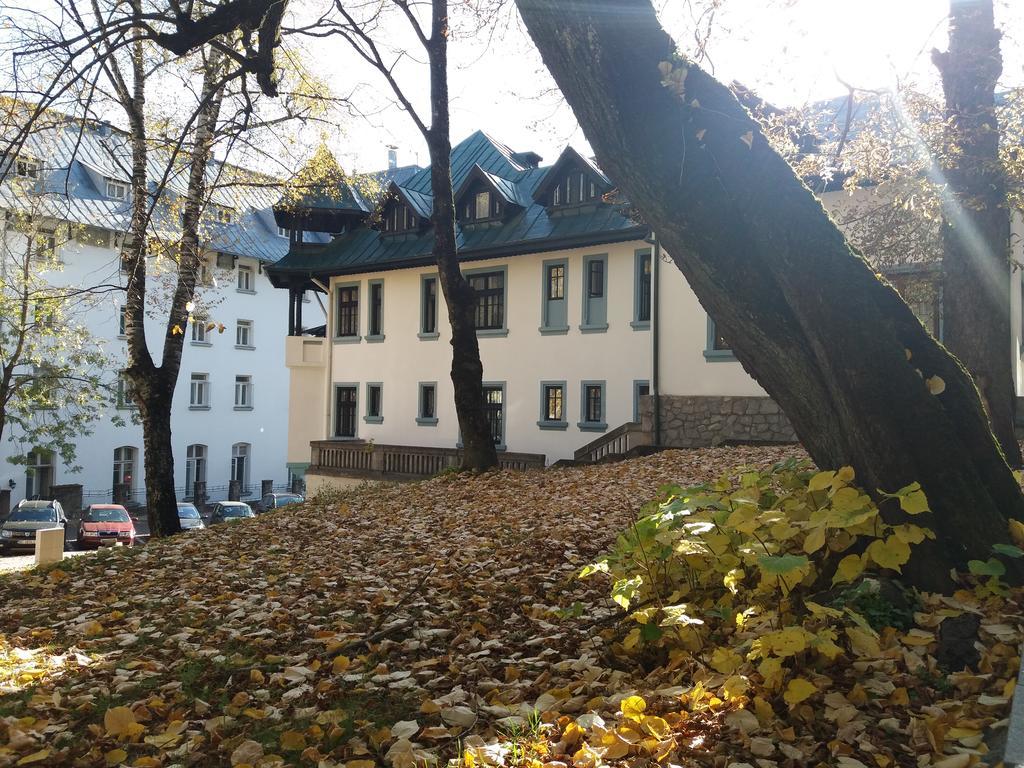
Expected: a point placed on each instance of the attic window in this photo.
(26, 167)
(574, 188)
(116, 190)
(483, 205)
(224, 214)
(398, 218)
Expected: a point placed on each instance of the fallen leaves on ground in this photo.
(407, 625)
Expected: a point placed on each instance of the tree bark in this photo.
(976, 217)
(478, 452)
(837, 348)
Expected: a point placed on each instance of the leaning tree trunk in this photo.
(478, 452)
(840, 352)
(976, 217)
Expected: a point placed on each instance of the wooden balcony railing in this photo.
(357, 458)
(617, 442)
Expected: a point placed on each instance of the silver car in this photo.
(19, 530)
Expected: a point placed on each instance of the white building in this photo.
(580, 318)
(228, 422)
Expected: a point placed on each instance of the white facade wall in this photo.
(619, 357)
(524, 358)
(220, 426)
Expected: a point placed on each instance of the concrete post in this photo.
(266, 486)
(199, 494)
(49, 545)
(234, 490)
(297, 484)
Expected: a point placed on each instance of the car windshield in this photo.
(188, 513)
(287, 498)
(106, 516)
(33, 515)
(236, 510)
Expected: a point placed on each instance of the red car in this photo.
(105, 524)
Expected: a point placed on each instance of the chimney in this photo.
(392, 157)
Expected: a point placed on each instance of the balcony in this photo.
(357, 458)
(304, 352)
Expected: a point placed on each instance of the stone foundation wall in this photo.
(696, 421)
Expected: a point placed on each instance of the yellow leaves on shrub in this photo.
(891, 553)
(633, 707)
(1017, 532)
(799, 690)
(815, 540)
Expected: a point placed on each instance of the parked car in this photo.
(277, 500)
(188, 516)
(105, 525)
(19, 530)
(230, 511)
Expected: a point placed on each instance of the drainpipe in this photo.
(655, 333)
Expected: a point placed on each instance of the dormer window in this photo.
(483, 205)
(398, 218)
(116, 190)
(224, 214)
(573, 189)
(26, 167)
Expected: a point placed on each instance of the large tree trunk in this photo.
(478, 452)
(839, 351)
(976, 218)
(158, 456)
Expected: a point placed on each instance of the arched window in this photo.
(240, 465)
(124, 468)
(195, 467)
(38, 474)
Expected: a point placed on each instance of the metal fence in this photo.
(136, 495)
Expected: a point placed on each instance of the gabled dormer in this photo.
(483, 196)
(321, 198)
(573, 180)
(403, 211)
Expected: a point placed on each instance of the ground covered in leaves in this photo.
(415, 624)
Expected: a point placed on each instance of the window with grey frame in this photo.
(376, 319)
(494, 411)
(592, 406)
(552, 405)
(347, 323)
(643, 288)
(428, 403)
(489, 288)
(346, 398)
(555, 313)
(374, 403)
(428, 306)
(595, 289)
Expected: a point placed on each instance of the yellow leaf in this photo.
(771, 672)
(1017, 532)
(340, 664)
(35, 757)
(116, 756)
(735, 686)
(176, 330)
(799, 690)
(725, 660)
(118, 721)
(891, 553)
(93, 629)
(146, 762)
(863, 644)
(656, 727)
(293, 740)
(821, 481)
(936, 385)
(850, 567)
(915, 502)
(633, 707)
(815, 540)
(846, 474)
(361, 764)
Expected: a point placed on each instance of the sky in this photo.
(790, 51)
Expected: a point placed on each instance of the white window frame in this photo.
(244, 328)
(199, 390)
(116, 189)
(243, 392)
(245, 280)
(199, 332)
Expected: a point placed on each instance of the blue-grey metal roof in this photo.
(533, 228)
(77, 157)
